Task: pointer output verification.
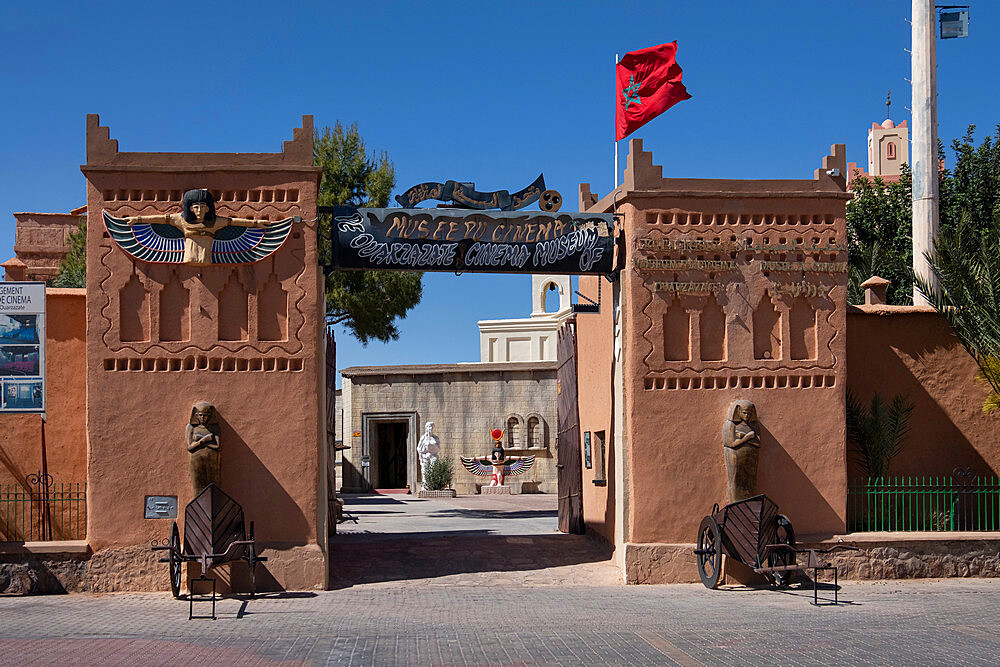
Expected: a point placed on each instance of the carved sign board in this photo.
(463, 240)
(161, 507)
(719, 245)
(22, 346)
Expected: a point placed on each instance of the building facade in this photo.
(247, 338)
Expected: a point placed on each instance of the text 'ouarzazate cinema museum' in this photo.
(196, 362)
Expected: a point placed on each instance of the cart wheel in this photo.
(176, 564)
(252, 563)
(709, 552)
(779, 557)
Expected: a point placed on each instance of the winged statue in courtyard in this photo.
(498, 465)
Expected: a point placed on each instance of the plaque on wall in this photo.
(161, 507)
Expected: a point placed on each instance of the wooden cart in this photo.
(214, 533)
(752, 532)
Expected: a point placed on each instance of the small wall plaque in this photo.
(161, 507)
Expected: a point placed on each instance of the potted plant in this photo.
(438, 479)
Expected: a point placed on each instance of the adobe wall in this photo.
(594, 388)
(911, 350)
(761, 317)
(247, 338)
(464, 401)
(41, 242)
(65, 429)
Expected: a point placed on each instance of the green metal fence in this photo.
(43, 511)
(923, 503)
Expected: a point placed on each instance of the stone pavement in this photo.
(465, 541)
(557, 609)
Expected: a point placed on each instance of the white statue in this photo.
(427, 449)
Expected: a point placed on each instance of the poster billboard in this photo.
(22, 347)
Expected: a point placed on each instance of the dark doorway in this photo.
(390, 438)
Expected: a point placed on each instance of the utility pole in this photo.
(923, 66)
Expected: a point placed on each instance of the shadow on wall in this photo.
(784, 481)
(277, 518)
(609, 488)
(920, 358)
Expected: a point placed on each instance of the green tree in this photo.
(368, 303)
(73, 268)
(972, 188)
(880, 217)
(879, 236)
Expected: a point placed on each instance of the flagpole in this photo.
(613, 124)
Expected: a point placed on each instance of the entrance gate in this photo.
(569, 473)
(465, 237)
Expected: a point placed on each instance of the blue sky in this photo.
(487, 92)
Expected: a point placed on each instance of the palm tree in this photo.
(877, 432)
(966, 263)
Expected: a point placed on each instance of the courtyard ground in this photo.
(421, 583)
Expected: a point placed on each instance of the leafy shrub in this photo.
(439, 474)
(877, 432)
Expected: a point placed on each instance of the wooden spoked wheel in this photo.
(780, 557)
(176, 564)
(709, 552)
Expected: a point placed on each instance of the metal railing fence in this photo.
(960, 502)
(41, 510)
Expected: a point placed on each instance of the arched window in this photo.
(550, 305)
(512, 435)
(533, 432)
(890, 150)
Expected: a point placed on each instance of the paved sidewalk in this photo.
(466, 541)
(474, 581)
(950, 622)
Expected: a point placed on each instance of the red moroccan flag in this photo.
(649, 83)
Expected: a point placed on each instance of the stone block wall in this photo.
(464, 401)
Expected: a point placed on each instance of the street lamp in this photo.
(954, 23)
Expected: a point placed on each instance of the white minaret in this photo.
(923, 66)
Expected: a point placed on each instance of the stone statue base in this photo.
(442, 493)
(502, 490)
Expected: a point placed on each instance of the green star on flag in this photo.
(650, 81)
(632, 88)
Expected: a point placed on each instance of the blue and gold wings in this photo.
(150, 243)
(476, 467)
(243, 245)
(481, 467)
(163, 243)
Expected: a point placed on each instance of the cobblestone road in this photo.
(522, 614)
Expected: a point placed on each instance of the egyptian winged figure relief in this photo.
(197, 235)
(499, 465)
